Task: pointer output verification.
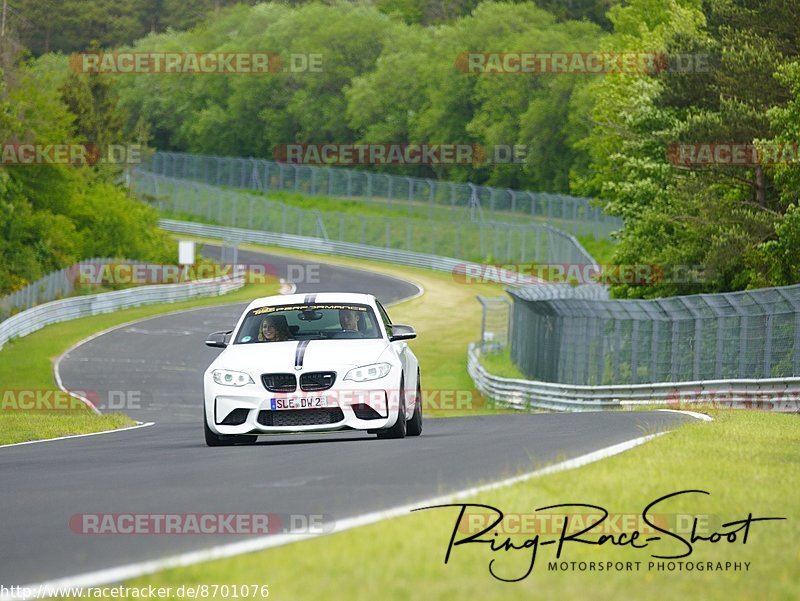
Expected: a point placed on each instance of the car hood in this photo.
(319, 355)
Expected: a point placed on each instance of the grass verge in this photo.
(745, 459)
(500, 364)
(26, 364)
(601, 250)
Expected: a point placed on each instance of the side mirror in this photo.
(218, 339)
(401, 332)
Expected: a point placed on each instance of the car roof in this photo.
(320, 297)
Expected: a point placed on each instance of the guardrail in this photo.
(775, 394)
(315, 245)
(45, 314)
(399, 257)
(50, 287)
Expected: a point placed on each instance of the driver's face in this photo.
(268, 329)
(348, 320)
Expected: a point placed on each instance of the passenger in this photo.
(274, 329)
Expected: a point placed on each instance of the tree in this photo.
(52, 215)
(714, 215)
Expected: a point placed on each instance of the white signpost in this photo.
(185, 255)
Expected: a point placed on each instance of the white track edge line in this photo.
(136, 427)
(134, 570)
(701, 416)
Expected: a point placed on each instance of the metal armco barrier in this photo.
(315, 245)
(54, 285)
(388, 255)
(774, 394)
(40, 316)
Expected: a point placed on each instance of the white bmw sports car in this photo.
(312, 363)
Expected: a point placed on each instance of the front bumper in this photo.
(370, 405)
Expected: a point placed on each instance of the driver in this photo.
(348, 319)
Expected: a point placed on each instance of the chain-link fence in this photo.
(410, 196)
(471, 241)
(749, 334)
(495, 321)
(57, 284)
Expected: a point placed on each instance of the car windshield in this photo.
(318, 321)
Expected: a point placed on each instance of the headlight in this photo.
(368, 372)
(231, 378)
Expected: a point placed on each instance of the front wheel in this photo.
(398, 430)
(217, 440)
(414, 426)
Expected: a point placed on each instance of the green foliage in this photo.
(389, 75)
(381, 82)
(74, 25)
(732, 220)
(776, 262)
(52, 215)
(426, 12)
(250, 114)
(589, 10)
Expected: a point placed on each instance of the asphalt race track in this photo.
(166, 468)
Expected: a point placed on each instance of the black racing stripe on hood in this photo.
(300, 353)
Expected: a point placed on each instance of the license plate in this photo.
(305, 402)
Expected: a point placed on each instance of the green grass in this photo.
(22, 426)
(748, 461)
(500, 364)
(359, 206)
(601, 250)
(27, 364)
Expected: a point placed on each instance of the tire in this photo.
(398, 430)
(414, 426)
(217, 440)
